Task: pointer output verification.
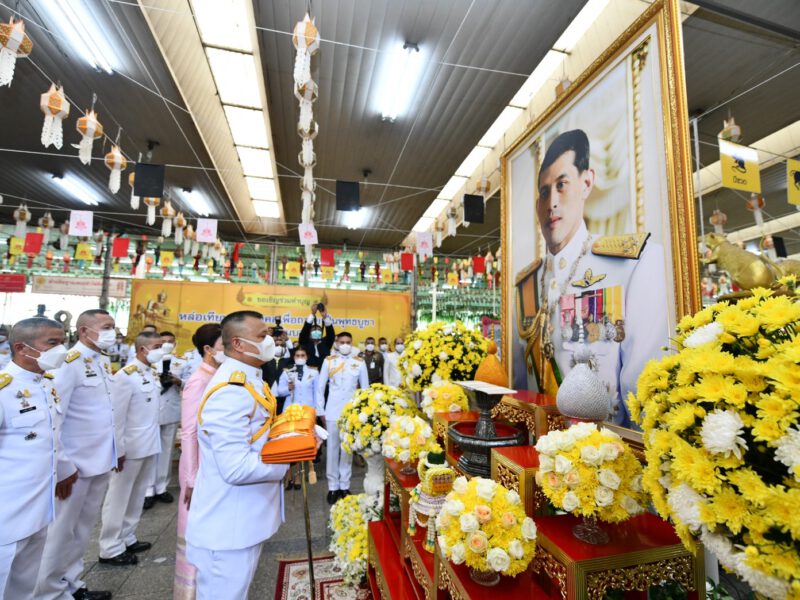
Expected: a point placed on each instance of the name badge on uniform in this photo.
(26, 408)
(372, 365)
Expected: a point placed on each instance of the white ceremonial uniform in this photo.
(391, 370)
(89, 446)
(28, 440)
(343, 375)
(635, 288)
(169, 417)
(136, 397)
(192, 358)
(305, 388)
(237, 502)
(5, 354)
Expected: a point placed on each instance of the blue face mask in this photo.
(316, 334)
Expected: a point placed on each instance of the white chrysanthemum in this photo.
(443, 355)
(787, 450)
(722, 433)
(362, 417)
(436, 378)
(416, 370)
(703, 335)
(686, 503)
(417, 344)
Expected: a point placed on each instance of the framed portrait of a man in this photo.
(597, 224)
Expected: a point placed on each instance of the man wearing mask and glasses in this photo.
(137, 390)
(28, 440)
(90, 452)
(317, 335)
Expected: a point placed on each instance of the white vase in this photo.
(373, 480)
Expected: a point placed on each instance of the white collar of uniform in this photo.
(569, 253)
(231, 364)
(141, 365)
(18, 372)
(85, 350)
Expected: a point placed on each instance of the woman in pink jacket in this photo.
(208, 341)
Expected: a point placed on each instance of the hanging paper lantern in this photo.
(14, 44)
(306, 41)
(188, 238)
(167, 214)
(46, 222)
(55, 107)
(63, 240)
(90, 129)
(22, 215)
(180, 223)
(151, 204)
(134, 197)
(439, 234)
(306, 96)
(718, 220)
(755, 203)
(452, 227)
(117, 163)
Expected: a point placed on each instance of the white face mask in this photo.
(344, 349)
(105, 338)
(384, 347)
(155, 355)
(219, 357)
(280, 351)
(300, 362)
(50, 360)
(168, 347)
(266, 349)
(370, 347)
(399, 348)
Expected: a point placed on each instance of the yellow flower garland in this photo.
(349, 543)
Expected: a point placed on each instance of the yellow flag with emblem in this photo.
(83, 251)
(15, 246)
(327, 272)
(167, 258)
(292, 269)
(452, 278)
(793, 181)
(739, 166)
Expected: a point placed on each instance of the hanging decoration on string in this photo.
(14, 44)
(55, 107)
(99, 243)
(90, 129)
(117, 163)
(718, 220)
(21, 216)
(188, 239)
(46, 222)
(151, 204)
(167, 214)
(134, 197)
(180, 223)
(63, 239)
(754, 204)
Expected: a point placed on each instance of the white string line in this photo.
(784, 157)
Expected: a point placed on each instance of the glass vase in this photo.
(485, 578)
(373, 479)
(589, 531)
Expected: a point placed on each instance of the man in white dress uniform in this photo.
(391, 370)
(89, 454)
(136, 398)
(237, 501)
(28, 442)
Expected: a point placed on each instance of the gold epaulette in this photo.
(629, 245)
(72, 355)
(531, 268)
(5, 379)
(238, 378)
(47, 375)
(131, 369)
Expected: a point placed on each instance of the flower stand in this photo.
(373, 479)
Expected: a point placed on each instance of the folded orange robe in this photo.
(291, 437)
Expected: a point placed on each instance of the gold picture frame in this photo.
(657, 34)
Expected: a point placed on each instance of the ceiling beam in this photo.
(748, 19)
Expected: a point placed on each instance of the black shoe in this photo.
(139, 547)
(126, 559)
(84, 594)
(149, 501)
(343, 493)
(333, 496)
(166, 498)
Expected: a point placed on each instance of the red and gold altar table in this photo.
(642, 552)
(385, 572)
(536, 411)
(514, 467)
(400, 485)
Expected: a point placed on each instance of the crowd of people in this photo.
(79, 441)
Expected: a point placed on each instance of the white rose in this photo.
(570, 502)
(362, 417)
(609, 451)
(565, 441)
(546, 444)
(443, 544)
(612, 434)
(454, 408)
(426, 401)
(528, 529)
(515, 549)
(485, 488)
(404, 456)
(454, 507)
(636, 483)
(591, 456)
(389, 451)
(416, 370)
(427, 432)
(498, 559)
(468, 523)
(582, 430)
(546, 463)
(408, 426)
(417, 344)
(458, 554)
(563, 464)
(460, 485)
(630, 505)
(405, 443)
(513, 498)
(604, 496)
(608, 478)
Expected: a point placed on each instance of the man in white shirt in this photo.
(28, 444)
(237, 501)
(132, 348)
(391, 369)
(89, 454)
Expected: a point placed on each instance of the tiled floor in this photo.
(152, 578)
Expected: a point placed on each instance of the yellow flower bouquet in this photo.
(722, 435)
(367, 417)
(441, 351)
(590, 472)
(484, 525)
(409, 438)
(443, 396)
(349, 544)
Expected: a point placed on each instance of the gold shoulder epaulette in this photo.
(131, 369)
(531, 268)
(330, 357)
(5, 379)
(238, 378)
(72, 355)
(48, 375)
(629, 245)
(359, 357)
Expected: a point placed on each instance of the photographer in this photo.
(317, 335)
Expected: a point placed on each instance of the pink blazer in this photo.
(191, 398)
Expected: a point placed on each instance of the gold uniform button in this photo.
(562, 264)
(552, 284)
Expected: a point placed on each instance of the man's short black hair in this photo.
(575, 140)
(150, 326)
(342, 334)
(230, 324)
(167, 333)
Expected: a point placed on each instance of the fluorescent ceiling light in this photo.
(354, 219)
(247, 126)
(266, 209)
(540, 76)
(255, 162)
(80, 29)
(436, 208)
(401, 72)
(78, 189)
(195, 202)
(473, 161)
(223, 23)
(451, 187)
(235, 76)
(580, 24)
(500, 126)
(423, 225)
(262, 189)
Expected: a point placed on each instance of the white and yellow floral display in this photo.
(349, 543)
(721, 421)
(443, 396)
(367, 417)
(409, 438)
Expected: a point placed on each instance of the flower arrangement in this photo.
(409, 438)
(349, 543)
(484, 525)
(443, 396)
(590, 472)
(366, 418)
(442, 351)
(722, 432)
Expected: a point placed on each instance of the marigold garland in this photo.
(349, 543)
(366, 418)
(443, 396)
